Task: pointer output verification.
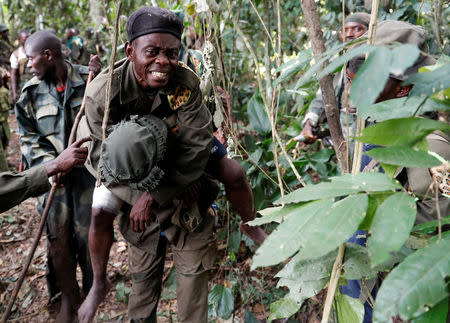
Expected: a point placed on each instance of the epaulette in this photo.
(179, 97)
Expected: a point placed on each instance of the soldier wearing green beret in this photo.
(150, 81)
(45, 114)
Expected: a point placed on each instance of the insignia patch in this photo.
(180, 96)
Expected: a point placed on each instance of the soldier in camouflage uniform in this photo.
(150, 81)
(5, 46)
(45, 113)
(5, 104)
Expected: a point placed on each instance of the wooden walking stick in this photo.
(38, 234)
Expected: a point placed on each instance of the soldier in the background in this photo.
(20, 72)
(5, 46)
(75, 43)
(5, 132)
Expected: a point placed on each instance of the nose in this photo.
(29, 63)
(162, 59)
(349, 34)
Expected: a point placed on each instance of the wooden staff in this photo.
(38, 234)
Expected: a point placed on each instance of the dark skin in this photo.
(155, 59)
(43, 50)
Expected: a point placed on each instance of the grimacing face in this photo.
(155, 58)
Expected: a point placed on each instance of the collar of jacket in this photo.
(74, 80)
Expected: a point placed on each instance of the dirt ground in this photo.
(17, 229)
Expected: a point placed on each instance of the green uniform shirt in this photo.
(179, 104)
(16, 187)
(45, 119)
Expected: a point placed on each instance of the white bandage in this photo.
(104, 199)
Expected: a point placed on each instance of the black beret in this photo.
(148, 20)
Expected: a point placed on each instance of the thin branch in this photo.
(262, 21)
(438, 210)
(109, 84)
(437, 14)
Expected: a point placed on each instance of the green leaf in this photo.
(371, 77)
(403, 156)
(401, 132)
(357, 51)
(275, 214)
(293, 66)
(170, 288)
(403, 56)
(257, 115)
(405, 107)
(234, 241)
(304, 278)
(250, 317)
(349, 309)
(284, 241)
(341, 186)
(284, 307)
(415, 284)
(374, 200)
(437, 314)
(221, 301)
(317, 227)
(394, 219)
(426, 84)
(430, 227)
(356, 263)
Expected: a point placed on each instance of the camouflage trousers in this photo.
(70, 212)
(4, 139)
(193, 256)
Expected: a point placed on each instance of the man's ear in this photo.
(404, 91)
(47, 53)
(129, 51)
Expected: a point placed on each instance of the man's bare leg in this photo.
(64, 266)
(240, 195)
(101, 235)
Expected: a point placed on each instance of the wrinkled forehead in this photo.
(353, 24)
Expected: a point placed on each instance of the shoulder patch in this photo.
(34, 81)
(180, 96)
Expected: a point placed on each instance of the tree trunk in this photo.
(326, 85)
(96, 12)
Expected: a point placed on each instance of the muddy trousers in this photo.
(192, 280)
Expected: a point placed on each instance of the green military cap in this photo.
(132, 151)
(399, 32)
(3, 28)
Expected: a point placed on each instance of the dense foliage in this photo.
(272, 78)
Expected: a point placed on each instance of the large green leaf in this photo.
(403, 156)
(405, 107)
(304, 278)
(257, 115)
(403, 56)
(220, 301)
(287, 238)
(437, 314)
(341, 186)
(371, 77)
(357, 262)
(391, 226)
(399, 132)
(284, 307)
(415, 284)
(349, 309)
(426, 84)
(275, 214)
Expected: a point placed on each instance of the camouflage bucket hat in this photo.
(399, 32)
(132, 151)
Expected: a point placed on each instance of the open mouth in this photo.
(159, 74)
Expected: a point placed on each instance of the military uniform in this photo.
(188, 146)
(5, 131)
(16, 187)
(19, 61)
(45, 118)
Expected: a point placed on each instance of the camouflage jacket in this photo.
(45, 118)
(16, 187)
(179, 104)
(5, 50)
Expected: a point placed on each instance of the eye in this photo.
(172, 53)
(152, 51)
